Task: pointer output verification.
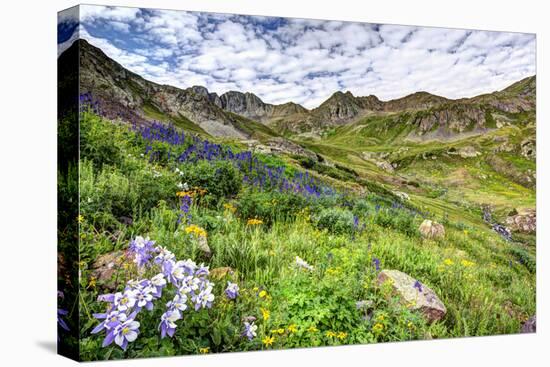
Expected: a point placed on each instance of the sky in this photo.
(300, 60)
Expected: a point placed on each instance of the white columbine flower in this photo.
(158, 280)
(189, 284)
(125, 301)
(179, 302)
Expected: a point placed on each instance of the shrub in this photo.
(399, 220)
(525, 258)
(220, 178)
(99, 142)
(337, 221)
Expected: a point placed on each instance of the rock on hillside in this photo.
(414, 294)
(251, 106)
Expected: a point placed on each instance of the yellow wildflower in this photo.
(292, 328)
(378, 327)
(278, 331)
(196, 230)
(182, 194)
(330, 334)
(254, 221)
(80, 218)
(265, 314)
(410, 325)
(312, 329)
(204, 350)
(92, 283)
(268, 340)
(230, 207)
(467, 263)
(448, 262)
(341, 335)
(262, 294)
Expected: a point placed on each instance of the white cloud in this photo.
(305, 61)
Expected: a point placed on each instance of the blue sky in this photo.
(301, 60)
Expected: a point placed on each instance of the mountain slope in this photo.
(127, 95)
(428, 115)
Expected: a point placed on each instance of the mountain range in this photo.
(125, 94)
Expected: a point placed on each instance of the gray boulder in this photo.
(414, 294)
(529, 326)
(431, 229)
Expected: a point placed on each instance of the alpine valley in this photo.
(359, 221)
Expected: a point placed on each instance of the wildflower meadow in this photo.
(190, 246)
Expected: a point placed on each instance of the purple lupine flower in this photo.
(126, 333)
(376, 263)
(167, 324)
(250, 330)
(232, 290)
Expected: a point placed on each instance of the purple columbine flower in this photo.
(250, 330)
(109, 297)
(189, 284)
(202, 271)
(126, 333)
(232, 290)
(110, 320)
(167, 324)
(144, 298)
(418, 286)
(142, 249)
(60, 320)
(163, 255)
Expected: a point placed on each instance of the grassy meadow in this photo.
(303, 244)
